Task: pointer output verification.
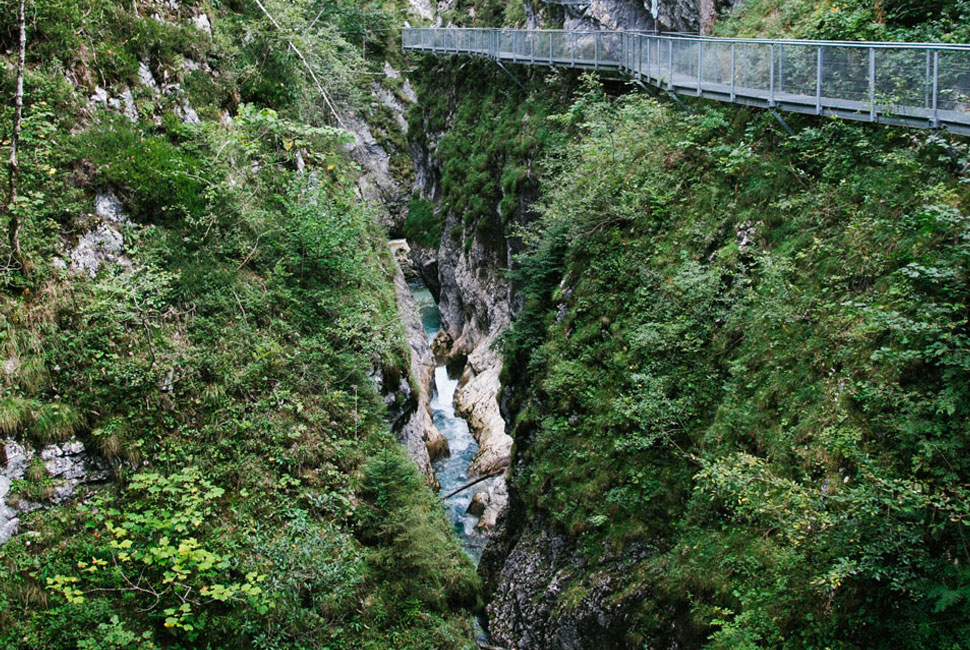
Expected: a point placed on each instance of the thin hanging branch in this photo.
(475, 482)
(14, 168)
(313, 75)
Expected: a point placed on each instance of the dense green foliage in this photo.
(224, 370)
(752, 350)
(876, 20)
(492, 133)
(423, 225)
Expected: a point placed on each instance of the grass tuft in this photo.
(14, 412)
(54, 423)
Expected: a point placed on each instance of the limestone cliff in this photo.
(693, 16)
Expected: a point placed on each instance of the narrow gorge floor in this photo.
(452, 470)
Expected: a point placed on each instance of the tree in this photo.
(14, 169)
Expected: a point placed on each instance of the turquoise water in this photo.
(452, 471)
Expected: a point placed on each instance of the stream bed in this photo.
(452, 470)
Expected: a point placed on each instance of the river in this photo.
(452, 470)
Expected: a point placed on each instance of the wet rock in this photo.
(477, 505)
(489, 503)
(441, 346)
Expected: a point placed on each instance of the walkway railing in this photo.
(912, 84)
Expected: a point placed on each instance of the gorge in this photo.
(285, 287)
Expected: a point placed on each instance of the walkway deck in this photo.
(912, 84)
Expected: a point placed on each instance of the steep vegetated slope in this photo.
(196, 348)
(739, 388)
(738, 384)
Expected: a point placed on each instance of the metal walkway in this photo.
(909, 84)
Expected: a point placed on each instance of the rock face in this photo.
(532, 569)
(376, 183)
(693, 16)
(379, 183)
(419, 433)
(66, 465)
(609, 14)
(103, 243)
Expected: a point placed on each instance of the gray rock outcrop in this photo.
(104, 242)
(66, 466)
(546, 593)
(691, 16)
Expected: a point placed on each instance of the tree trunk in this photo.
(14, 169)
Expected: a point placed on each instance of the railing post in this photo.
(872, 84)
(639, 55)
(818, 81)
(771, 82)
(936, 89)
(781, 68)
(927, 84)
(670, 76)
(746, 62)
(532, 48)
(596, 51)
(700, 65)
(733, 68)
(649, 47)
